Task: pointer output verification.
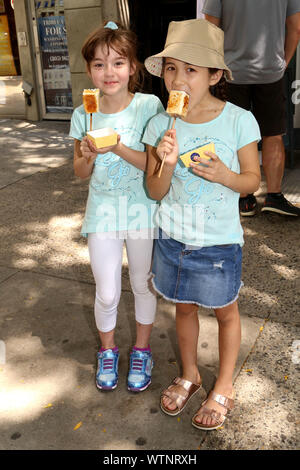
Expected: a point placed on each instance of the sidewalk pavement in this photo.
(48, 338)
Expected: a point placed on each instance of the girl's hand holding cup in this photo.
(87, 150)
(90, 152)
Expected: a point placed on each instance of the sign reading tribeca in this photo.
(55, 63)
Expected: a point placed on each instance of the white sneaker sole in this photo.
(248, 214)
(106, 389)
(277, 211)
(139, 389)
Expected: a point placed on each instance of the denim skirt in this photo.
(209, 276)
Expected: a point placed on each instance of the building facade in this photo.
(44, 67)
(47, 73)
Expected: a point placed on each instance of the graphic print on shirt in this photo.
(112, 173)
(197, 189)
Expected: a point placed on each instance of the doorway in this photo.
(150, 21)
(12, 104)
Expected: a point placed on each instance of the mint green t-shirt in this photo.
(117, 197)
(195, 211)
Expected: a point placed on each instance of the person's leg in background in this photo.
(268, 104)
(269, 108)
(273, 158)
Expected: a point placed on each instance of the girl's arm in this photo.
(159, 187)
(215, 170)
(85, 153)
(135, 157)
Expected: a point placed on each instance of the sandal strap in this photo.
(227, 402)
(217, 416)
(186, 384)
(175, 397)
(181, 398)
(214, 414)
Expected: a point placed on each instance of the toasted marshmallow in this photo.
(178, 103)
(91, 100)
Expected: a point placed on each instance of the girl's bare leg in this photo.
(143, 333)
(187, 328)
(107, 339)
(229, 346)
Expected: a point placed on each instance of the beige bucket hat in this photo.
(197, 42)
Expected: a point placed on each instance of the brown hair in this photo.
(122, 41)
(219, 90)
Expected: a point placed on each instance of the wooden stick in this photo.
(164, 156)
(91, 128)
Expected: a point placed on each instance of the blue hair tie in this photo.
(111, 25)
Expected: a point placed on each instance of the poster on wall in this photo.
(7, 64)
(55, 64)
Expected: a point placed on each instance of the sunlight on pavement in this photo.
(2, 92)
(57, 233)
(260, 296)
(265, 250)
(285, 272)
(32, 380)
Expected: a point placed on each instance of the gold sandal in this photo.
(181, 399)
(219, 418)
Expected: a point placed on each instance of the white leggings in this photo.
(106, 262)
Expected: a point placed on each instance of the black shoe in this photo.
(280, 205)
(247, 205)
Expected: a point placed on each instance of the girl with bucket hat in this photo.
(197, 256)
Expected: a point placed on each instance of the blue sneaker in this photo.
(107, 372)
(139, 377)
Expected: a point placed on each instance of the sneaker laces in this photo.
(108, 363)
(137, 364)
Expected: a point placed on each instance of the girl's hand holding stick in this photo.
(164, 156)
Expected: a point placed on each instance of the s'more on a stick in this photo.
(91, 102)
(178, 103)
